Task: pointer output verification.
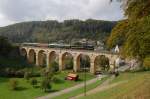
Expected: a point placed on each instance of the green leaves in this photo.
(133, 34)
(5, 46)
(118, 34)
(137, 8)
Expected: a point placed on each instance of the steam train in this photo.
(63, 46)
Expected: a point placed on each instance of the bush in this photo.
(5, 46)
(103, 62)
(13, 84)
(43, 72)
(146, 63)
(45, 85)
(54, 67)
(69, 64)
(27, 75)
(19, 73)
(33, 82)
(57, 80)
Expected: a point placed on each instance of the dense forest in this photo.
(52, 30)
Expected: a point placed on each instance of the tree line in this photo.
(52, 30)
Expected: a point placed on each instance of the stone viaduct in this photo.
(36, 54)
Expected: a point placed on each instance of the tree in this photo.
(118, 34)
(135, 9)
(103, 62)
(48, 76)
(45, 85)
(27, 75)
(84, 61)
(53, 31)
(33, 82)
(69, 64)
(5, 46)
(54, 67)
(133, 34)
(146, 63)
(13, 84)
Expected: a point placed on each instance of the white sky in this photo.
(12, 11)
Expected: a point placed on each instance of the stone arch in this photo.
(67, 57)
(23, 52)
(32, 56)
(85, 58)
(96, 62)
(42, 58)
(52, 57)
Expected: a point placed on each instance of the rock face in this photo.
(135, 64)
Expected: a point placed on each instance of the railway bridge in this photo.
(39, 55)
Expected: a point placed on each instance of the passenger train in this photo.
(63, 46)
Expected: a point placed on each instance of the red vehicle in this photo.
(72, 76)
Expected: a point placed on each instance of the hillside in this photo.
(50, 31)
(134, 85)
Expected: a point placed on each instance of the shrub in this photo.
(19, 73)
(33, 82)
(13, 84)
(69, 64)
(27, 75)
(54, 67)
(57, 80)
(43, 72)
(146, 63)
(45, 85)
(103, 62)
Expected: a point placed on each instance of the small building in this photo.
(117, 49)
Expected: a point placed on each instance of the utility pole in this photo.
(84, 79)
(85, 74)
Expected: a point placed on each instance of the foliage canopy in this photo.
(133, 34)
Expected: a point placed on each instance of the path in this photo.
(102, 87)
(123, 68)
(105, 85)
(51, 95)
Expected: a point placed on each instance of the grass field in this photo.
(80, 90)
(136, 87)
(26, 91)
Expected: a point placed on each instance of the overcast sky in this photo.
(12, 11)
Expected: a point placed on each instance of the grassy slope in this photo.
(80, 90)
(137, 87)
(26, 91)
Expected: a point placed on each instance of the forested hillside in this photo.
(133, 34)
(50, 31)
